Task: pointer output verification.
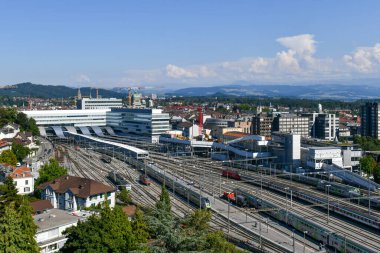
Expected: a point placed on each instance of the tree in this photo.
(124, 196)
(7, 156)
(140, 227)
(367, 164)
(9, 194)
(164, 201)
(50, 171)
(20, 151)
(111, 231)
(12, 237)
(27, 124)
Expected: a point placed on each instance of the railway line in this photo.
(365, 237)
(80, 162)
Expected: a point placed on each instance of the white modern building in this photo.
(99, 103)
(50, 227)
(287, 148)
(317, 156)
(75, 193)
(146, 122)
(96, 117)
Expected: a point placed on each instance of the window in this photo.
(108, 194)
(26, 182)
(15, 183)
(26, 189)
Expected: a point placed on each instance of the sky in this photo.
(178, 43)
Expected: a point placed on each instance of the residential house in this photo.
(75, 193)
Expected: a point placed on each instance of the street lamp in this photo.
(304, 240)
(328, 202)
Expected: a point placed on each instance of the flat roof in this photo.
(120, 145)
(323, 148)
(65, 112)
(54, 218)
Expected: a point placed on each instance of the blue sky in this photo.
(186, 43)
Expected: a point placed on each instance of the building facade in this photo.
(98, 103)
(289, 123)
(145, 122)
(50, 227)
(22, 178)
(69, 117)
(370, 123)
(262, 124)
(75, 193)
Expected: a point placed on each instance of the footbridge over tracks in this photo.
(111, 148)
(218, 146)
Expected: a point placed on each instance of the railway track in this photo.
(368, 238)
(147, 196)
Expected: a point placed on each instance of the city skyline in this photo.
(182, 44)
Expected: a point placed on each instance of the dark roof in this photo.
(79, 186)
(40, 206)
(185, 124)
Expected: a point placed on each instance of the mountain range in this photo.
(321, 91)
(53, 91)
(317, 91)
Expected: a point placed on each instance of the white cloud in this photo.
(303, 44)
(297, 62)
(178, 72)
(364, 59)
(82, 78)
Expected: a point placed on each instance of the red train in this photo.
(231, 174)
(145, 180)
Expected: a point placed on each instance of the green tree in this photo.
(7, 156)
(140, 227)
(9, 193)
(124, 196)
(20, 151)
(12, 237)
(111, 231)
(27, 124)
(367, 164)
(164, 201)
(50, 171)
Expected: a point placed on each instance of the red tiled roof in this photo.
(41, 205)
(79, 186)
(20, 172)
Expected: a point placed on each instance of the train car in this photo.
(315, 231)
(144, 180)
(339, 189)
(119, 181)
(179, 187)
(106, 158)
(231, 174)
(345, 211)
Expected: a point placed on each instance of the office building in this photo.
(69, 117)
(323, 125)
(370, 123)
(289, 123)
(98, 103)
(262, 124)
(146, 122)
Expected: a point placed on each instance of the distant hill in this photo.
(52, 91)
(319, 91)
